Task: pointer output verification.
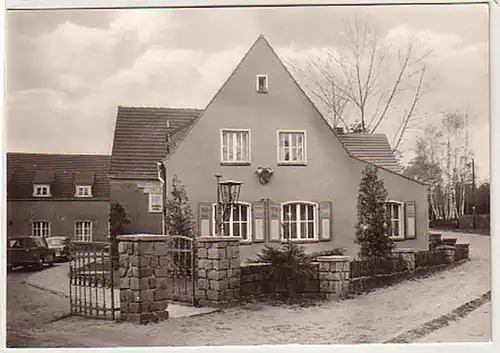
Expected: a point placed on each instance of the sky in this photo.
(68, 70)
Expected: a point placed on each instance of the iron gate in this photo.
(91, 280)
(181, 269)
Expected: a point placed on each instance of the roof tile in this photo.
(22, 168)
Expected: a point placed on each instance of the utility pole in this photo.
(473, 195)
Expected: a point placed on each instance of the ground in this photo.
(375, 317)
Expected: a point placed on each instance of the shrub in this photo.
(289, 263)
(373, 220)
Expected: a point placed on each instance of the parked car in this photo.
(60, 245)
(28, 251)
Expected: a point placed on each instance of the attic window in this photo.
(40, 190)
(83, 191)
(262, 83)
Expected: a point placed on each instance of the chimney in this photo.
(339, 130)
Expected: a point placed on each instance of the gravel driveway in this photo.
(375, 317)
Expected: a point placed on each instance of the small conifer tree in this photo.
(372, 227)
(179, 216)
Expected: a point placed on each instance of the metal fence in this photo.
(377, 266)
(92, 281)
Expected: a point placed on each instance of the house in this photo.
(261, 118)
(58, 195)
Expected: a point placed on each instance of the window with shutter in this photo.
(259, 214)
(205, 217)
(411, 220)
(274, 212)
(325, 220)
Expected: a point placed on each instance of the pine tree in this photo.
(118, 222)
(372, 228)
(179, 218)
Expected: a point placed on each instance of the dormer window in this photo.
(41, 190)
(262, 85)
(83, 191)
(83, 183)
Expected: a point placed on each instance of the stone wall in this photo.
(257, 281)
(218, 281)
(143, 278)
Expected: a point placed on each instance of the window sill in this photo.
(245, 242)
(292, 164)
(397, 238)
(301, 241)
(235, 164)
(42, 196)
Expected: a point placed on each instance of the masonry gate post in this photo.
(334, 275)
(143, 278)
(219, 272)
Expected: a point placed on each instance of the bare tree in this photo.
(368, 79)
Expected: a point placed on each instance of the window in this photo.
(262, 83)
(155, 203)
(237, 222)
(299, 220)
(41, 190)
(83, 231)
(83, 191)
(235, 146)
(395, 211)
(291, 147)
(41, 229)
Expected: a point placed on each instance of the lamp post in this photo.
(228, 194)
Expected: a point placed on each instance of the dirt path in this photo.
(375, 317)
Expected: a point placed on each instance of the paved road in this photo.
(375, 317)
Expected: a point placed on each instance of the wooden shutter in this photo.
(274, 212)
(325, 220)
(410, 220)
(205, 219)
(258, 219)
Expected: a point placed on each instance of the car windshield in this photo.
(55, 241)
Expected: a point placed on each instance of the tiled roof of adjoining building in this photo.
(61, 171)
(140, 139)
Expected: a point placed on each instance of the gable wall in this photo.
(330, 174)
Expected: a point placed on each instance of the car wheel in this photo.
(50, 260)
(40, 263)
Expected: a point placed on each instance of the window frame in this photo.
(304, 147)
(257, 83)
(79, 188)
(83, 237)
(249, 222)
(41, 187)
(235, 162)
(401, 220)
(315, 206)
(41, 229)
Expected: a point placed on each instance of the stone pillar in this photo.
(407, 255)
(219, 272)
(143, 278)
(334, 275)
(449, 252)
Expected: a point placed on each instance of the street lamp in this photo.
(228, 194)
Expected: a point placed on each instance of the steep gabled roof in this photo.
(140, 139)
(372, 148)
(60, 170)
(382, 163)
